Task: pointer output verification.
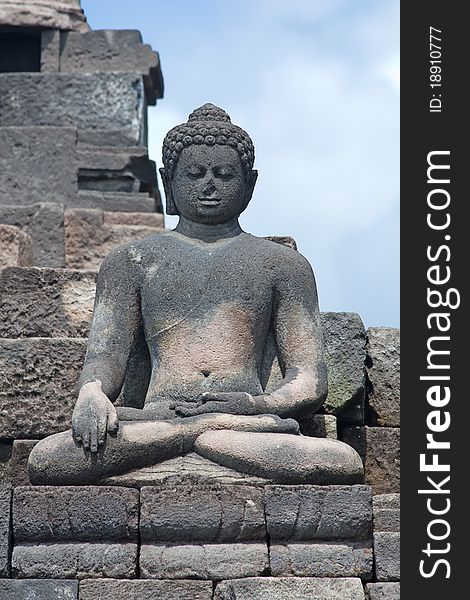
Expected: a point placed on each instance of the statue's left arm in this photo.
(296, 320)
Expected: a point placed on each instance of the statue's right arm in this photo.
(115, 324)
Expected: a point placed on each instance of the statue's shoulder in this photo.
(131, 255)
(281, 256)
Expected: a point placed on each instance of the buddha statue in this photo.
(207, 296)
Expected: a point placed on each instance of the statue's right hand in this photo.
(94, 416)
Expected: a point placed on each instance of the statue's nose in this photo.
(209, 188)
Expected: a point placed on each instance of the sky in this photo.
(316, 85)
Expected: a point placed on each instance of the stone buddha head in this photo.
(208, 172)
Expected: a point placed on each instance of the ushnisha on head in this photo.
(208, 167)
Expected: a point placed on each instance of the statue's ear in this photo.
(250, 186)
(170, 204)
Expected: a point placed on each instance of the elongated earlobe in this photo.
(250, 186)
(170, 204)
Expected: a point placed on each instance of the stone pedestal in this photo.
(175, 532)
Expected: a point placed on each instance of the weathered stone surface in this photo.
(323, 426)
(38, 385)
(200, 513)
(383, 591)
(104, 51)
(35, 159)
(286, 240)
(386, 510)
(5, 508)
(19, 461)
(379, 448)
(308, 513)
(50, 14)
(116, 201)
(386, 501)
(43, 302)
(37, 163)
(74, 560)
(355, 412)
(108, 589)
(44, 222)
(205, 561)
(17, 247)
(90, 235)
(290, 588)
(387, 555)
(79, 514)
(383, 370)
(188, 469)
(109, 101)
(38, 589)
(115, 170)
(345, 341)
(50, 51)
(333, 559)
(5, 463)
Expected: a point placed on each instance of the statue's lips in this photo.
(209, 201)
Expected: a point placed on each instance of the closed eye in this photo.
(195, 173)
(224, 174)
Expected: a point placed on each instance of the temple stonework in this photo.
(76, 183)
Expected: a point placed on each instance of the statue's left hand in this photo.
(234, 403)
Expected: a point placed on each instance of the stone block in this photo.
(78, 514)
(309, 513)
(43, 302)
(379, 448)
(37, 163)
(202, 513)
(19, 461)
(334, 559)
(35, 159)
(387, 555)
(290, 588)
(108, 51)
(50, 51)
(38, 385)
(63, 14)
(90, 235)
(386, 510)
(121, 169)
(386, 501)
(107, 101)
(323, 426)
(5, 464)
(17, 247)
(78, 560)
(383, 591)
(38, 589)
(44, 222)
(116, 201)
(345, 353)
(383, 370)
(188, 469)
(203, 561)
(109, 589)
(354, 413)
(5, 530)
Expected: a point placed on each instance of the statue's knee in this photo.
(37, 464)
(44, 459)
